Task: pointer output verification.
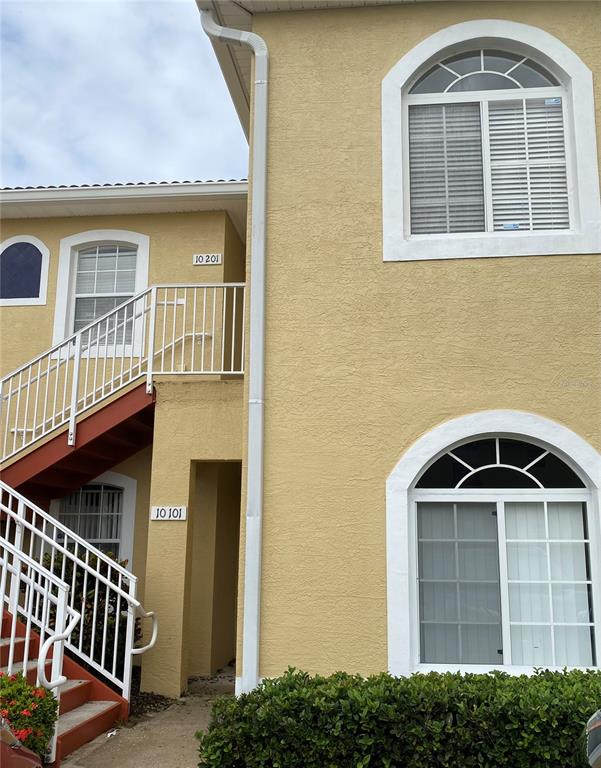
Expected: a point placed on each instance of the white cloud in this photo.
(110, 90)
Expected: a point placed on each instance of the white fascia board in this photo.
(217, 190)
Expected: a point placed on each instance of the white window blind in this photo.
(105, 278)
(528, 164)
(446, 176)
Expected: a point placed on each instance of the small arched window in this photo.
(23, 271)
(504, 558)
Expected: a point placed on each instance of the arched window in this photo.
(504, 576)
(23, 271)
(482, 147)
(493, 542)
(97, 271)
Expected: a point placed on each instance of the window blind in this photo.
(528, 164)
(445, 165)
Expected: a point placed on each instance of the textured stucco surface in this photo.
(363, 357)
(174, 237)
(199, 421)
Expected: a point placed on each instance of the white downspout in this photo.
(256, 368)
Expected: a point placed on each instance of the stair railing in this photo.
(101, 590)
(166, 329)
(38, 614)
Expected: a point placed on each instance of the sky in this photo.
(98, 91)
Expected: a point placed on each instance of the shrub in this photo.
(424, 721)
(115, 611)
(30, 712)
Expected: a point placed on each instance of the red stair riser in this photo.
(75, 697)
(87, 731)
(19, 651)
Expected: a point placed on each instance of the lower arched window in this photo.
(503, 533)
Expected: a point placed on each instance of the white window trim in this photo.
(63, 312)
(128, 519)
(581, 146)
(43, 249)
(401, 547)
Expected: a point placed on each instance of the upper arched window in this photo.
(23, 271)
(488, 152)
(484, 147)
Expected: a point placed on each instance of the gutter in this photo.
(256, 368)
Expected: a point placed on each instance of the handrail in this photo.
(155, 630)
(95, 588)
(165, 329)
(57, 637)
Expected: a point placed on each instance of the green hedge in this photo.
(424, 721)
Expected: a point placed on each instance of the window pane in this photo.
(477, 521)
(568, 562)
(107, 262)
(552, 472)
(477, 453)
(500, 61)
(518, 453)
(126, 281)
(85, 282)
(437, 560)
(527, 562)
(499, 477)
(572, 603)
(529, 602)
(566, 520)
(440, 643)
(481, 644)
(445, 159)
(436, 521)
(446, 472)
(573, 646)
(435, 80)
(438, 601)
(105, 282)
(482, 81)
(531, 646)
(479, 603)
(525, 520)
(464, 63)
(20, 271)
(478, 561)
(532, 75)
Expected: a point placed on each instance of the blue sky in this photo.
(98, 91)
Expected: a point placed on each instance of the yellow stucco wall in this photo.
(363, 357)
(174, 237)
(195, 421)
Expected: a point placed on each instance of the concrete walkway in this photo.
(160, 739)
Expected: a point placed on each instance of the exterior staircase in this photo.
(87, 707)
(70, 614)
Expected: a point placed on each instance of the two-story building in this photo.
(396, 396)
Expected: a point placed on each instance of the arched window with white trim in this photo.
(23, 271)
(97, 271)
(504, 562)
(488, 128)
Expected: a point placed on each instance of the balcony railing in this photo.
(166, 329)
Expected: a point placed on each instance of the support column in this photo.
(168, 565)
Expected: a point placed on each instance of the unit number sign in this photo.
(203, 259)
(168, 513)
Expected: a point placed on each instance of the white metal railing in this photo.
(39, 618)
(166, 329)
(98, 589)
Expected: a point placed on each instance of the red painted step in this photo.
(88, 707)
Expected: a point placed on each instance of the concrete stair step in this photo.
(84, 723)
(31, 670)
(74, 693)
